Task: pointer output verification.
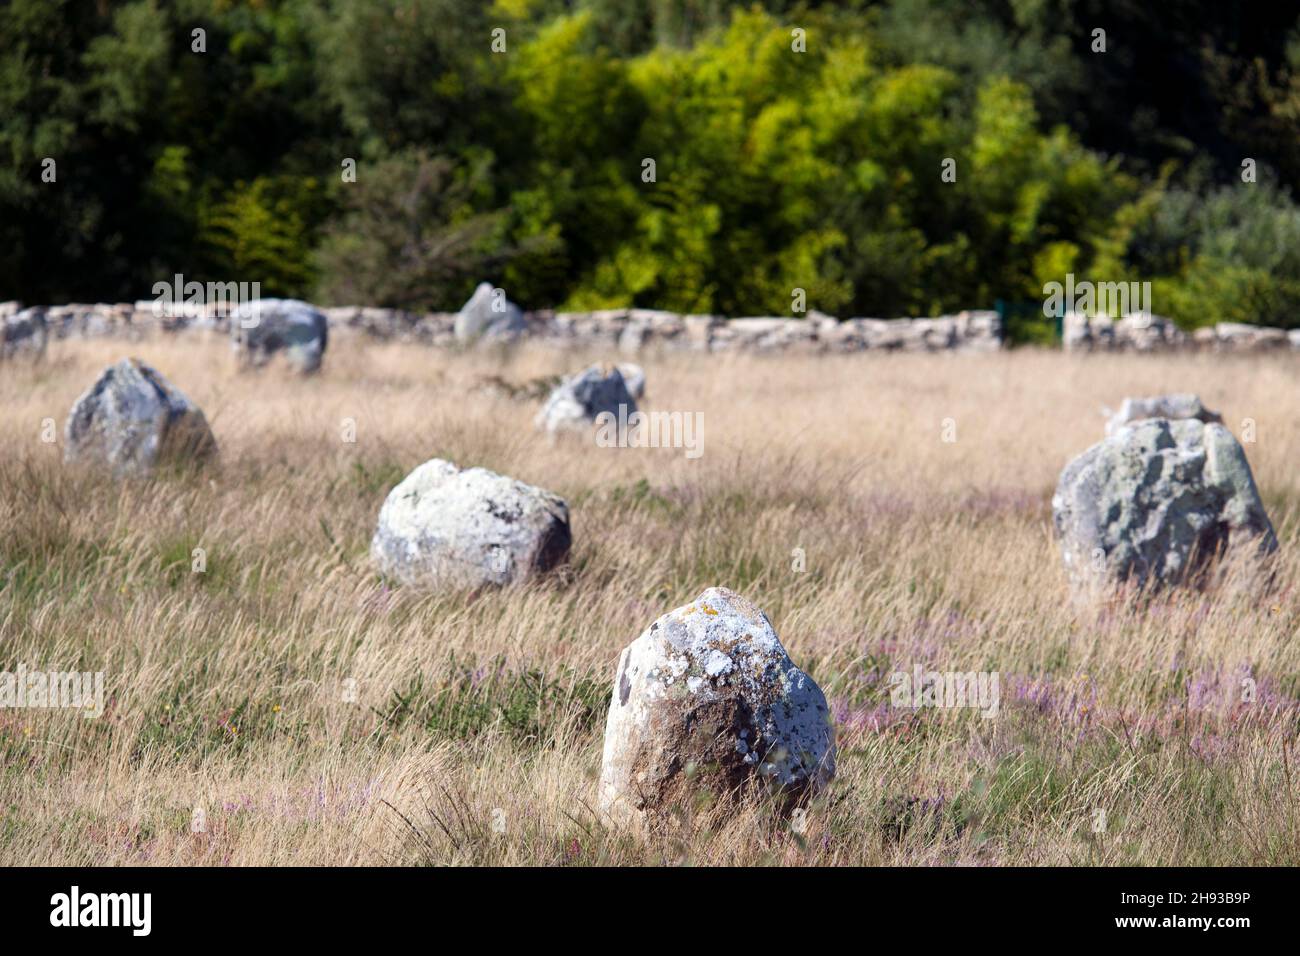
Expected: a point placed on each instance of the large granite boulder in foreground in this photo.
(132, 420)
(444, 527)
(489, 316)
(578, 400)
(1173, 407)
(1154, 502)
(264, 327)
(708, 701)
(24, 333)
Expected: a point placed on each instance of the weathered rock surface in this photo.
(576, 401)
(132, 420)
(633, 378)
(1173, 407)
(489, 316)
(24, 332)
(447, 527)
(1154, 502)
(263, 327)
(707, 700)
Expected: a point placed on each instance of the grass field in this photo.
(316, 716)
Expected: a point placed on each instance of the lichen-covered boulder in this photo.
(263, 327)
(132, 420)
(708, 701)
(1155, 502)
(1172, 407)
(633, 378)
(489, 316)
(448, 527)
(24, 333)
(579, 399)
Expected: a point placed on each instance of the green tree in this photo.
(409, 236)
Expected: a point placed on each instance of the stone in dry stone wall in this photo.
(1136, 332)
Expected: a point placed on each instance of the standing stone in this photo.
(444, 527)
(1154, 502)
(263, 327)
(489, 316)
(707, 700)
(1173, 407)
(132, 420)
(576, 401)
(24, 332)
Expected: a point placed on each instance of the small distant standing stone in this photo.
(24, 333)
(578, 400)
(264, 327)
(489, 316)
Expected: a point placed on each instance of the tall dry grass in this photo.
(475, 732)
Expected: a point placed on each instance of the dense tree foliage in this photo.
(794, 145)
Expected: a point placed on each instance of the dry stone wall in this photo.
(629, 330)
(632, 330)
(1140, 332)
